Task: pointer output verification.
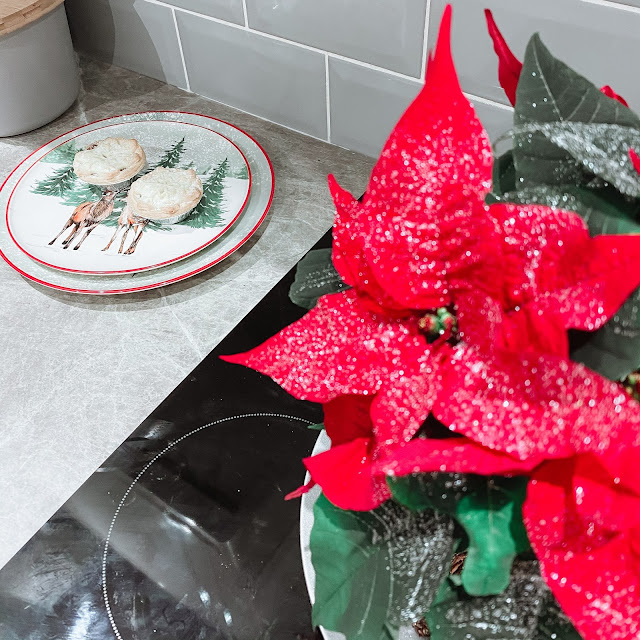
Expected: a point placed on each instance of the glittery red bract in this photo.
(345, 472)
(509, 67)
(583, 520)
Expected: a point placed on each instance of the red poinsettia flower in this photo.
(422, 239)
(510, 68)
(583, 520)
(582, 514)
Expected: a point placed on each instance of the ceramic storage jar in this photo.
(39, 77)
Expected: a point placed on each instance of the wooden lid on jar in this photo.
(15, 14)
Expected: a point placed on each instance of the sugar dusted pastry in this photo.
(165, 195)
(110, 161)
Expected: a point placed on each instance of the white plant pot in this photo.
(38, 73)
(306, 524)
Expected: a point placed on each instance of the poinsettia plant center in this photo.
(440, 325)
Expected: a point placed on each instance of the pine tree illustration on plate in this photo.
(171, 158)
(58, 184)
(209, 211)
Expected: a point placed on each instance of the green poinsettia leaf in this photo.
(604, 210)
(490, 511)
(376, 570)
(316, 427)
(515, 614)
(504, 176)
(614, 350)
(553, 624)
(550, 92)
(601, 149)
(315, 277)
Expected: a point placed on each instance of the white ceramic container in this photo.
(38, 73)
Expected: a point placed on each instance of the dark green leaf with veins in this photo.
(602, 149)
(550, 92)
(512, 615)
(490, 511)
(315, 277)
(376, 570)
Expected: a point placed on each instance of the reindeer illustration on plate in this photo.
(87, 216)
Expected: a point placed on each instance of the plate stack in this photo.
(133, 202)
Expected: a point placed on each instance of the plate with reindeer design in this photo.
(67, 223)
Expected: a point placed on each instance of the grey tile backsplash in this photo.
(260, 75)
(229, 10)
(136, 34)
(386, 33)
(344, 70)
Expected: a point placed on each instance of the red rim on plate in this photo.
(138, 269)
(168, 281)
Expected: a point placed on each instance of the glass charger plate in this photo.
(49, 195)
(260, 196)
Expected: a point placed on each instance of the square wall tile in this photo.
(386, 33)
(601, 42)
(275, 80)
(230, 10)
(137, 35)
(366, 104)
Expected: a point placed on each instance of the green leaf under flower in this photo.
(525, 611)
(315, 277)
(549, 91)
(376, 570)
(602, 149)
(490, 511)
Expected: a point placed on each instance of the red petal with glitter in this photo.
(347, 418)
(531, 405)
(422, 229)
(404, 403)
(610, 93)
(591, 563)
(549, 257)
(509, 67)
(345, 475)
(454, 455)
(635, 160)
(338, 348)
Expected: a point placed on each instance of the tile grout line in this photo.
(491, 103)
(611, 4)
(425, 43)
(184, 62)
(328, 96)
(270, 36)
(245, 13)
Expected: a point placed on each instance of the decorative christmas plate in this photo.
(63, 222)
(249, 219)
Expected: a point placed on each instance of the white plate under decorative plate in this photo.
(254, 212)
(323, 443)
(49, 193)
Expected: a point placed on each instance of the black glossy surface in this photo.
(203, 546)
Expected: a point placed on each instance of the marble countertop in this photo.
(79, 373)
